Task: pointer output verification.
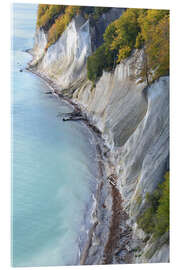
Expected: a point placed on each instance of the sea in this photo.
(54, 163)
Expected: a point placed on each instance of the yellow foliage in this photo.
(123, 53)
(42, 9)
(158, 48)
(138, 28)
(139, 41)
(46, 13)
(61, 23)
(127, 28)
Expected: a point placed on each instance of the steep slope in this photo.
(117, 103)
(65, 60)
(133, 118)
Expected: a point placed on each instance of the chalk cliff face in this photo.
(133, 117)
(65, 61)
(144, 157)
(117, 103)
(40, 42)
(134, 120)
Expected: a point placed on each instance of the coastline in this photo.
(113, 245)
(123, 135)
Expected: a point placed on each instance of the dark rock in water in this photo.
(48, 93)
(20, 70)
(75, 115)
(27, 50)
(72, 118)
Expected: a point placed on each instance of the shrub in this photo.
(99, 61)
(162, 214)
(146, 222)
(95, 64)
(123, 53)
(139, 41)
(155, 218)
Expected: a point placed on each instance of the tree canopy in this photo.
(55, 18)
(135, 29)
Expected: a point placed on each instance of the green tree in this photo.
(162, 214)
(96, 63)
(110, 34)
(155, 36)
(139, 41)
(155, 218)
(127, 28)
(98, 11)
(47, 15)
(124, 52)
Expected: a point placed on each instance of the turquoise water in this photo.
(54, 167)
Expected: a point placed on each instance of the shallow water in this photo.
(54, 166)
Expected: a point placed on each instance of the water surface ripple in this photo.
(54, 167)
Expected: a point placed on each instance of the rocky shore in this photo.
(110, 236)
(130, 122)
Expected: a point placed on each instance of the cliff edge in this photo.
(132, 115)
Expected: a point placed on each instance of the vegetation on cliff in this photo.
(61, 23)
(155, 219)
(55, 18)
(135, 29)
(47, 14)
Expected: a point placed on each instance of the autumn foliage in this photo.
(55, 18)
(47, 15)
(135, 29)
(61, 23)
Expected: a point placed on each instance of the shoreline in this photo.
(117, 236)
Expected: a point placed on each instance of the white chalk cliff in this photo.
(133, 117)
